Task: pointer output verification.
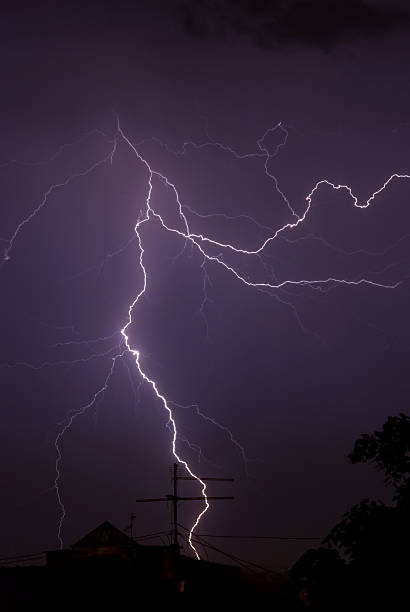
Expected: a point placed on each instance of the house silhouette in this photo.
(107, 547)
(107, 555)
(108, 571)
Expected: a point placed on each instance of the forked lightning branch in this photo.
(205, 245)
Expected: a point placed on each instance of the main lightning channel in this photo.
(199, 242)
(146, 217)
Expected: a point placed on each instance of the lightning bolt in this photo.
(195, 408)
(65, 426)
(205, 246)
(50, 191)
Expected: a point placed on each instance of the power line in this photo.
(258, 537)
(176, 499)
(247, 564)
(22, 556)
(205, 546)
(19, 559)
(149, 535)
(164, 538)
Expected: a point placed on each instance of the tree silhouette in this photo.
(318, 573)
(389, 451)
(374, 538)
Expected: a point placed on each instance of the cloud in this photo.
(269, 23)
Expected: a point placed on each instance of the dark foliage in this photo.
(318, 573)
(374, 538)
(389, 451)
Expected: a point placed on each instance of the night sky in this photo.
(297, 373)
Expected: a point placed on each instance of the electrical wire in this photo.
(247, 564)
(257, 537)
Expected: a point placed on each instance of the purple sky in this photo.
(296, 375)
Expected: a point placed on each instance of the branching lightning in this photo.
(65, 426)
(205, 246)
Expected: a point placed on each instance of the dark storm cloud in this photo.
(320, 23)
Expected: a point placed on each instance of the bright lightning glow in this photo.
(200, 243)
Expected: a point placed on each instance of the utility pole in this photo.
(175, 499)
(177, 564)
(175, 513)
(132, 519)
(130, 526)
